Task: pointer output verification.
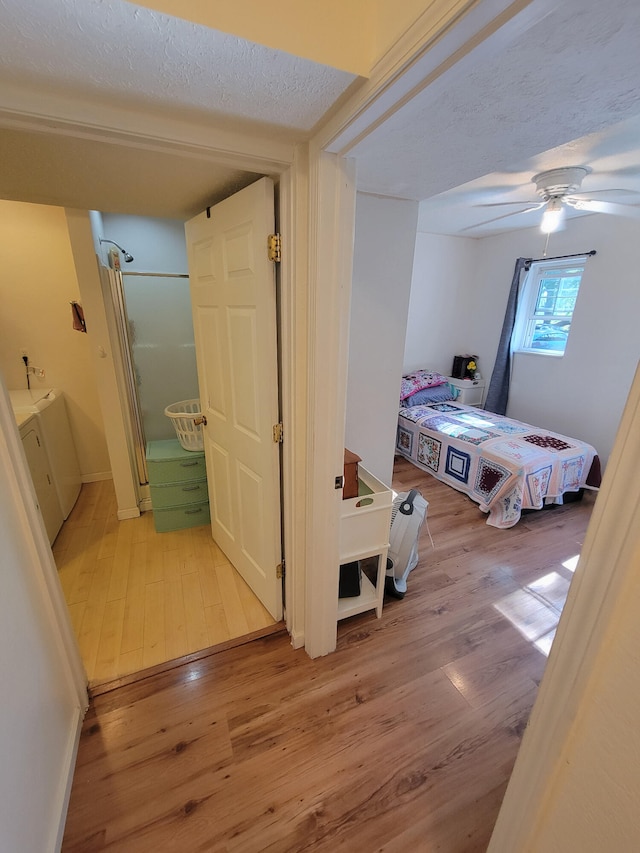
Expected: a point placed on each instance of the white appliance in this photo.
(41, 473)
(50, 408)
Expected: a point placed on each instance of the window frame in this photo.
(526, 318)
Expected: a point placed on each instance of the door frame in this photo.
(316, 215)
(293, 320)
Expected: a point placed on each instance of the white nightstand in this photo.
(470, 392)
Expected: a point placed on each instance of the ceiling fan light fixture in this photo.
(559, 182)
(552, 216)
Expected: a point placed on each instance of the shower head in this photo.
(127, 257)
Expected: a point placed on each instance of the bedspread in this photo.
(502, 464)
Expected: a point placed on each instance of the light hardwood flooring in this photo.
(402, 741)
(138, 598)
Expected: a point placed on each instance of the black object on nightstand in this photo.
(460, 369)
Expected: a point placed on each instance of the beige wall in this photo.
(350, 36)
(594, 802)
(394, 18)
(37, 282)
(333, 32)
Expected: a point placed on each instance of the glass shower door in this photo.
(162, 347)
(153, 316)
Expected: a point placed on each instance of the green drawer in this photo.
(177, 494)
(179, 517)
(176, 470)
(168, 462)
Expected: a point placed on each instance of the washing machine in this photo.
(41, 473)
(50, 408)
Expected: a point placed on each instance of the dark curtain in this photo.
(498, 393)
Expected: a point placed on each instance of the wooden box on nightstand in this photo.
(469, 392)
(350, 488)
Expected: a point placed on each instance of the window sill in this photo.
(546, 353)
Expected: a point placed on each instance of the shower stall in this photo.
(155, 329)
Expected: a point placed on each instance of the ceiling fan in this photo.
(559, 188)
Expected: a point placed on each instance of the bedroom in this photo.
(449, 295)
(575, 109)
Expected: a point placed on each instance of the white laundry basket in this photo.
(182, 415)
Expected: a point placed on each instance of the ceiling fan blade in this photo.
(593, 206)
(504, 216)
(603, 192)
(511, 203)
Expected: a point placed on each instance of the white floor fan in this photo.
(560, 188)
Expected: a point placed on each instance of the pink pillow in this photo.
(419, 380)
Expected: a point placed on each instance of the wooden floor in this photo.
(138, 598)
(403, 740)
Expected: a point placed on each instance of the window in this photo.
(546, 307)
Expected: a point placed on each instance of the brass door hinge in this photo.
(274, 248)
(277, 433)
(280, 570)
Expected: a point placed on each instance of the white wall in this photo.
(437, 327)
(40, 711)
(581, 394)
(382, 264)
(37, 283)
(157, 245)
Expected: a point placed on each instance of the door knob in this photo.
(201, 420)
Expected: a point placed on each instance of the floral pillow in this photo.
(418, 380)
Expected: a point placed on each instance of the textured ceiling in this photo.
(112, 50)
(522, 92)
(105, 56)
(575, 72)
(612, 155)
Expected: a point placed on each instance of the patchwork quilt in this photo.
(504, 465)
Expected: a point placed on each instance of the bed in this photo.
(502, 464)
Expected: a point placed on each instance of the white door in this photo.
(233, 295)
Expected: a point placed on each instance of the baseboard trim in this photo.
(130, 512)
(66, 777)
(97, 477)
(297, 640)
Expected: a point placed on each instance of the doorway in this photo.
(69, 255)
(192, 597)
(86, 542)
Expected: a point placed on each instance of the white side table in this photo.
(469, 392)
(365, 523)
